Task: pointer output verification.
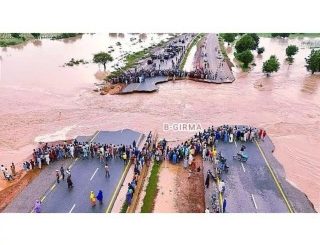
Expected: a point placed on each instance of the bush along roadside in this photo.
(152, 189)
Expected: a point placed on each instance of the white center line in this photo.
(72, 208)
(244, 170)
(254, 201)
(94, 174)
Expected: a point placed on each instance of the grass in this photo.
(152, 189)
(65, 35)
(131, 60)
(223, 49)
(7, 40)
(194, 42)
(124, 207)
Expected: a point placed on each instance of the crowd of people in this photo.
(159, 68)
(139, 160)
(205, 144)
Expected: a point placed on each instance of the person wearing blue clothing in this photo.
(224, 205)
(174, 158)
(226, 137)
(100, 197)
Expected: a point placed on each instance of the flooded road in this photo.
(40, 100)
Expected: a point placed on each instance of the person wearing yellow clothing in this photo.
(214, 154)
(92, 199)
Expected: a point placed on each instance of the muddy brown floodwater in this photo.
(40, 101)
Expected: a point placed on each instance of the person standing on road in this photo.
(37, 207)
(13, 169)
(69, 181)
(124, 157)
(92, 199)
(222, 186)
(58, 176)
(106, 167)
(62, 172)
(3, 171)
(100, 197)
(224, 205)
(263, 135)
(68, 171)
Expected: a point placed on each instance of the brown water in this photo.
(35, 89)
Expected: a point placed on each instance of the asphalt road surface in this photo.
(216, 62)
(250, 187)
(89, 175)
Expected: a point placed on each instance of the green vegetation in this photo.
(246, 42)
(102, 58)
(291, 50)
(283, 35)
(260, 50)
(313, 61)
(223, 49)
(73, 62)
(15, 35)
(256, 39)
(229, 37)
(131, 60)
(246, 57)
(194, 42)
(65, 35)
(36, 35)
(152, 189)
(243, 47)
(9, 39)
(271, 65)
(124, 207)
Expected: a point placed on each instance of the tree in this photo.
(280, 35)
(246, 57)
(15, 35)
(246, 42)
(271, 65)
(260, 50)
(256, 39)
(291, 50)
(313, 61)
(102, 58)
(35, 35)
(229, 37)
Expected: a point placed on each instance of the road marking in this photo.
(94, 136)
(235, 142)
(244, 170)
(52, 187)
(72, 208)
(220, 194)
(42, 199)
(94, 174)
(254, 201)
(116, 191)
(275, 179)
(73, 163)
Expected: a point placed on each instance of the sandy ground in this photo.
(14, 187)
(180, 191)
